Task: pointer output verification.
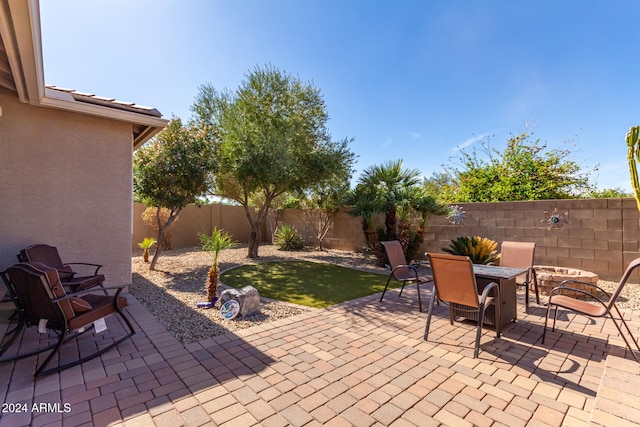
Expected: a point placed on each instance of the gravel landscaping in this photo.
(171, 292)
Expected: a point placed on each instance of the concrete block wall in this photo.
(193, 220)
(601, 235)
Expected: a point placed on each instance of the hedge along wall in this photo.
(602, 235)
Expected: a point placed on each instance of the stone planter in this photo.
(549, 277)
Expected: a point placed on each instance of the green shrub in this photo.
(480, 249)
(288, 238)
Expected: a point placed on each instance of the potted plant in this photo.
(146, 245)
(217, 241)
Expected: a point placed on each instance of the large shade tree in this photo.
(170, 172)
(269, 137)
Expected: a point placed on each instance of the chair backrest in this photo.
(623, 281)
(35, 285)
(517, 254)
(41, 253)
(454, 279)
(396, 257)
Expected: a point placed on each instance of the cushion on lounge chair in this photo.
(79, 305)
(56, 288)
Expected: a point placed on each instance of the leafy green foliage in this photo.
(481, 250)
(395, 191)
(171, 172)
(288, 238)
(145, 245)
(270, 137)
(147, 242)
(320, 205)
(608, 193)
(525, 170)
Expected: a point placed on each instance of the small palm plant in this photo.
(481, 250)
(217, 241)
(146, 245)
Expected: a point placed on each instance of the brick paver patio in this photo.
(361, 363)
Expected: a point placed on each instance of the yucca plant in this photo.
(146, 245)
(481, 250)
(217, 241)
(288, 238)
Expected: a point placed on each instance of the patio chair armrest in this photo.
(558, 291)
(485, 291)
(565, 282)
(410, 267)
(88, 291)
(97, 266)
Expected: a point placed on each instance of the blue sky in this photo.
(406, 79)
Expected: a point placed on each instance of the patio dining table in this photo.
(505, 277)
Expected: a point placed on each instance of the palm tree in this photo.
(218, 241)
(146, 245)
(390, 182)
(365, 204)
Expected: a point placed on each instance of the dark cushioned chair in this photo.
(49, 255)
(41, 300)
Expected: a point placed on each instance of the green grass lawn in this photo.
(306, 283)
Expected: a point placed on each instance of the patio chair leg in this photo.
(535, 285)
(402, 289)
(385, 288)
(626, 341)
(476, 348)
(546, 319)
(419, 299)
(434, 296)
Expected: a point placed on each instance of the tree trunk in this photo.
(254, 237)
(156, 254)
(390, 222)
(145, 255)
(212, 283)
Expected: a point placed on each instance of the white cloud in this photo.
(414, 135)
(470, 141)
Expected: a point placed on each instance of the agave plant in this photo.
(480, 250)
(146, 245)
(217, 241)
(288, 238)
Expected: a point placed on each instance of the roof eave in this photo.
(20, 31)
(21, 35)
(150, 125)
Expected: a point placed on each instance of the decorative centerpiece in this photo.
(456, 215)
(555, 219)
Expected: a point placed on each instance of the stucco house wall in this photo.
(65, 180)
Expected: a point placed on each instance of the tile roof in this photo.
(91, 98)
